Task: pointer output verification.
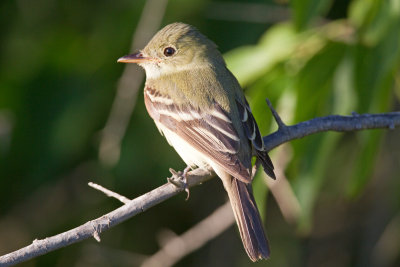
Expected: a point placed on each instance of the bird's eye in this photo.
(169, 51)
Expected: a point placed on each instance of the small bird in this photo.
(200, 108)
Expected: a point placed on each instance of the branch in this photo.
(179, 246)
(336, 123)
(95, 227)
(138, 205)
(109, 193)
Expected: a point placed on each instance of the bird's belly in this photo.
(188, 153)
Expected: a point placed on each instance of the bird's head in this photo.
(176, 47)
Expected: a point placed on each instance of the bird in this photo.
(200, 108)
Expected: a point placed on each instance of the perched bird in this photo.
(199, 106)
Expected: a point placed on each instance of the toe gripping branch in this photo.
(179, 179)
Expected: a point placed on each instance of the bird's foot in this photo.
(179, 179)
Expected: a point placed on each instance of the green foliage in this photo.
(336, 68)
(305, 11)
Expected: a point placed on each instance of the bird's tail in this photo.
(248, 219)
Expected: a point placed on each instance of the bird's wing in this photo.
(250, 125)
(253, 134)
(211, 133)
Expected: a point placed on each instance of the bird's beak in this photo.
(134, 58)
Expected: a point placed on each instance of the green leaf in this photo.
(374, 18)
(249, 63)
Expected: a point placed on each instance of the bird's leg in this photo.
(179, 179)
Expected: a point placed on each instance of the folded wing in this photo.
(211, 133)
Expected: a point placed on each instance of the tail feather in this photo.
(248, 219)
(266, 163)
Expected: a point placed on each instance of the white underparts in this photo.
(188, 153)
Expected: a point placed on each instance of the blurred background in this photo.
(65, 120)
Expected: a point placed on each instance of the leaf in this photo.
(375, 67)
(249, 63)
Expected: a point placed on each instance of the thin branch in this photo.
(336, 123)
(277, 118)
(179, 246)
(109, 193)
(95, 227)
(195, 177)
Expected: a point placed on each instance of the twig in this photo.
(195, 177)
(129, 84)
(336, 123)
(105, 222)
(109, 193)
(277, 118)
(178, 247)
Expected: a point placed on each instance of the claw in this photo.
(176, 178)
(185, 172)
(179, 179)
